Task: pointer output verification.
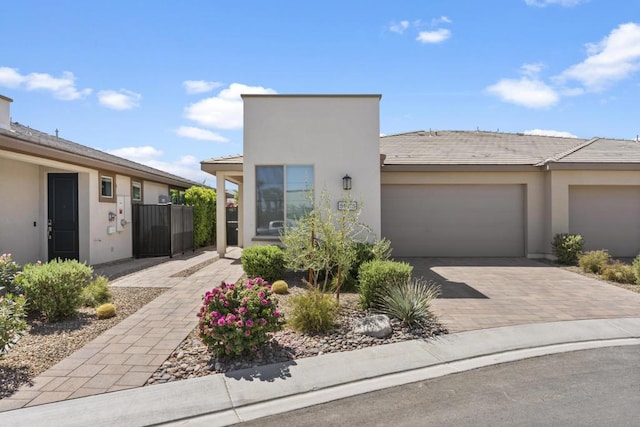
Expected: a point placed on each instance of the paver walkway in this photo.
(126, 355)
(514, 291)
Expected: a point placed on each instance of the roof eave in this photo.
(459, 168)
(614, 166)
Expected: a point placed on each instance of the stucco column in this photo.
(221, 215)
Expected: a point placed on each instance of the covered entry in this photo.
(451, 220)
(608, 217)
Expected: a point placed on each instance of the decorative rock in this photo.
(377, 326)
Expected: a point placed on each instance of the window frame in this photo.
(135, 181)
(284, 219)
(111, 176)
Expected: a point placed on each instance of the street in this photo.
(585, 388)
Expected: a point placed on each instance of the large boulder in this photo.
(377, 326)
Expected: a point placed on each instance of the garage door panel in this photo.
(608, 217)
(454, 220)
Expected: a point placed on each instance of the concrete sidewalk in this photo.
(224, 399)
(126, 355)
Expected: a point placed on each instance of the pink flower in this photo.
(221, 322)
(249, 323)
(276, 313)
(226, 303)
(261, 294)
(215, 314)
(242, 310)
(263, 321)
(264, 302)
(239, 324)
(247, 333)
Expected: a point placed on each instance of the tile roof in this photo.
(235, 159)
(472, 148)
(602, 150)
(60, 144)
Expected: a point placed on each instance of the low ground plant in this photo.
(96, 293)
(377, 275)
(54, 289)
(594, 261)
(12, 319)
(266, 262)
(619, 272)
(567, 247)
(313, 311)
(237, 319)
(408, 301)
(9, 270)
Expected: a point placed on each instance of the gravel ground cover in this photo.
(45, 344)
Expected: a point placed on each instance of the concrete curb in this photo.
(224, 399)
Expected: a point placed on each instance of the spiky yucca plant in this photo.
(408, 301)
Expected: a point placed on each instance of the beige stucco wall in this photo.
(534, 196)
(151, 191)
(337, 135)
(19, 210)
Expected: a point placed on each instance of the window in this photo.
(107, 187)
(136, 191)
(283, 194)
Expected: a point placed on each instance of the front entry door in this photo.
(62, 221)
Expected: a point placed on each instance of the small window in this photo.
(136, 191)
(107, 187)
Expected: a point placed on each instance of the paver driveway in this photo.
(483, 293)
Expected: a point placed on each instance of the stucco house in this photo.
(433, 193)
(63, 199)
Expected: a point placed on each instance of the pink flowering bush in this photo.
(237, 319)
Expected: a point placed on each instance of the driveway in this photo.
(480, 293)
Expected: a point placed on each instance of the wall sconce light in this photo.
(346, 182)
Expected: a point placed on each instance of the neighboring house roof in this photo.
(444, 150)
(34, 142)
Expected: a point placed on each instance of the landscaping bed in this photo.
(45, 344)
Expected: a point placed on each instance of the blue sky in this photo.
(159, 81)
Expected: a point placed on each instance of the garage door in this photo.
(608, 217)
(454, 220)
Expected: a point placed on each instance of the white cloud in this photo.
(545, 3)
(223, 111)
(63, 87)
(399, 27)
(442, 20)
(525, 91)
(119, 100)
(201, 134)
(436, 36)
(199, 86)
(137, 154)
(532, 69)
(549, 132)
(614, 58)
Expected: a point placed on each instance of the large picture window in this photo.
(283, 194)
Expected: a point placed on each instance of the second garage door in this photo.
(608, 217)
(454, 220)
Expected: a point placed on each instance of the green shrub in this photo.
(203, 201)
(12, 320)
(378, 274)
(97, 292)
(619, 272)
(9, 269)
(54, 289)
(567, 247)
(594, 261)
(237, 319)
(313, 311)
(106, 311)
(380, 250)
(280, 287)
(408, 301)
(636, 269)
(263, 261)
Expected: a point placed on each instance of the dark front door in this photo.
(62, 218)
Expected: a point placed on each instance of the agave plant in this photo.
(408, 301)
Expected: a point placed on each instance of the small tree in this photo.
(322, 242)
(203, 201)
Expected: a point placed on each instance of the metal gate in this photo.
(232, 226)
(161, 230)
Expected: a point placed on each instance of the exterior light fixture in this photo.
(346, 182)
